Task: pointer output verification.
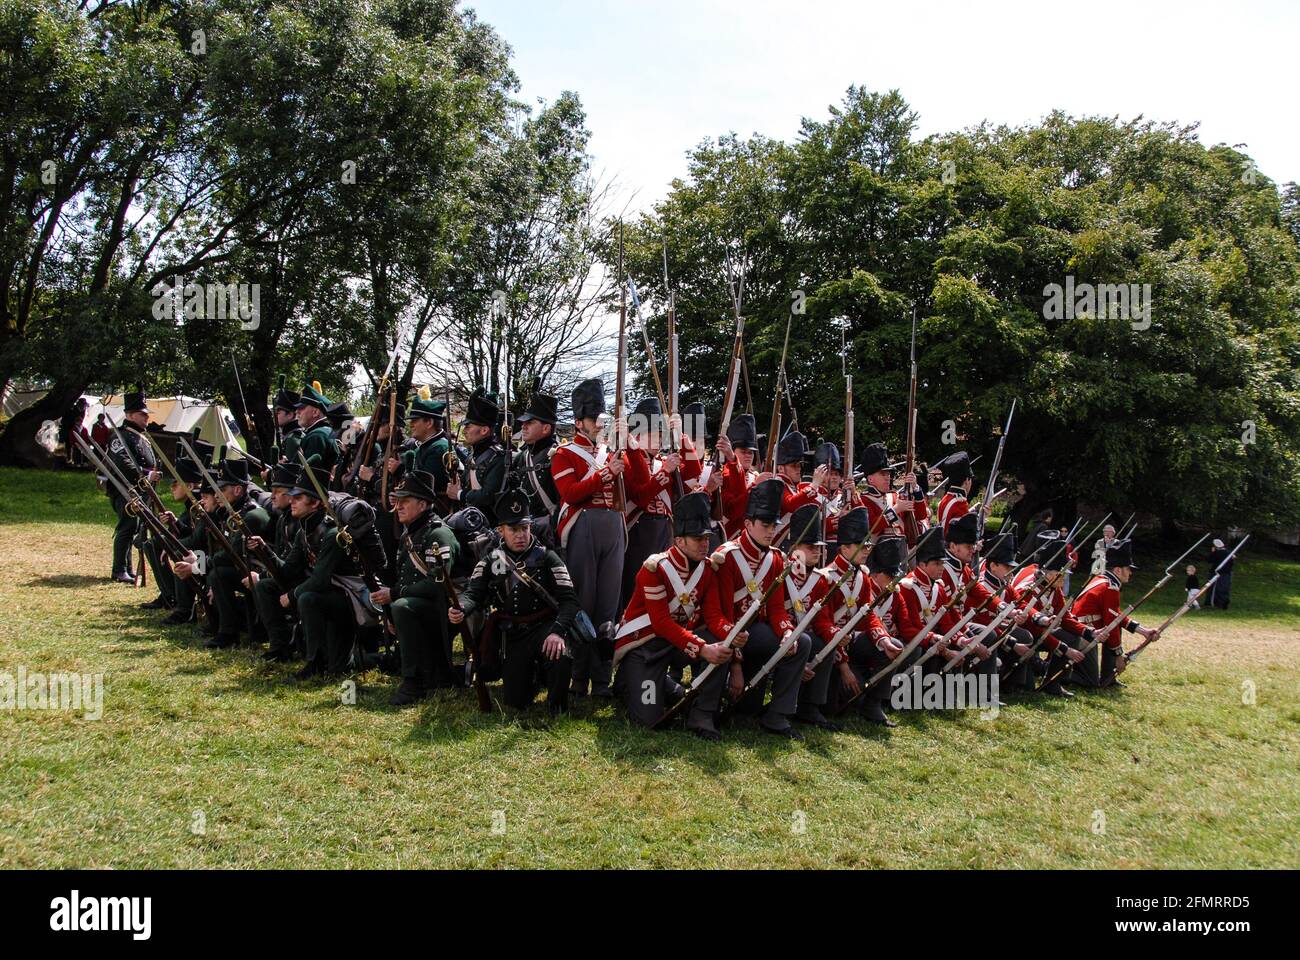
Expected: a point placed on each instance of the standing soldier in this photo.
(535, 608)
(745, 568)
(835, 492)
(592, 532)
(884, 505)
(663, 628)
(533, 463)
(318, 443)
(955, 502)
(791, 452)
(1098, 606)
(649, 505)
(278, 621)
(489, 461)
(429, 430)
(133, 456)
(739, 446)
(418, 599)
(286, 423)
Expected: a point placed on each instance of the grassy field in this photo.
(207, 759)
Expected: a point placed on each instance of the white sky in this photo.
(657, 77)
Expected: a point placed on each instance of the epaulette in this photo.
(652, 562)
(718, 557)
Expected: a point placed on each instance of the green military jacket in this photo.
(429, 456)
(432, 542)
(319, 446)
(315, 556)
(291, 442)
(494, 585)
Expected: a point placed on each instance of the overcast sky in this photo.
(657, 77)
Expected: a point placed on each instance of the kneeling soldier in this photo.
(534, 609)
(663, 627)
(426, 551)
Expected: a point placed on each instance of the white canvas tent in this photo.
(179, 414)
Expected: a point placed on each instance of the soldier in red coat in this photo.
(648, 483)
(805, 587)
(885, 506)
(872, 646)
(791, 453)
(1098, 606)
(740, 447)
(745, 568)
(592, 533)
(956, 470)
(663, 628)
(1049, 557)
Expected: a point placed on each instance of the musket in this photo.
(993, 474)
(843, 631)
(1187, 605)
(367, 444)
(1066, 603)
(774, 430)
(910, 528)
(197, 508)
(679, 489)
(795, 634)
(1041, 579)
(619, 498)
(742, 622)
(239, 385)
(850, 464)
(279, 432)
(442, 576)
(1100, 635)
(234, 522)
(912, 644)
(732, 383)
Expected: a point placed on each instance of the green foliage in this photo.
(974, 228)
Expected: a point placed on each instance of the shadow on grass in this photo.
(67, 581)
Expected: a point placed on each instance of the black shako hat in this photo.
(691, 516)
(955, 468)
(806, 526)
(134, 402)
(874, 459)
(541, 407)
(645, 415)
(285, 399)
(887, 556)
(285, 475)
(303, 484)
(965, 529)
(588, 399)
(233, 471)
(829, 454)
(792, 448)
(417, 484)
(1050, 551)
(1120, 554)
(1002, 550)
(931, 546)
(482, 409)
(743, 432)
(854, 527)
(764, 501)
(511, 508)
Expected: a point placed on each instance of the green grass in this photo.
(286, 775)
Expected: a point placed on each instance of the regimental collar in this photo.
(919, 576)
(751, 549)
(679, 560)
(1113, 580)
(991, 577)
(950, 561)
(957, 492)
(418, 523)
(581, 440)
(537, 446)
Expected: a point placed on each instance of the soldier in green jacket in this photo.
(278, 621)
(534, 609)
(289, 434)
(319, 444)
(176, 594)
(428, 425)
(485, 473)
(134, 458)
(426, 551)
(232, 598)
(319, 558)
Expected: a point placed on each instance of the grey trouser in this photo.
(594, 556)
(650, 534)
(647, 690)
(784, 679)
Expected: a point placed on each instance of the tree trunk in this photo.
(18, 446)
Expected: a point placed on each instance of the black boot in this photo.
(874, 712)
(222, 641)
(813, 717)
(409, 692)
(157, 603)
(178, 617)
